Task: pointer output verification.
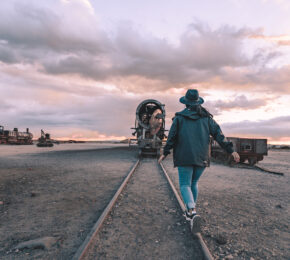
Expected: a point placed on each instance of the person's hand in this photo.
(161, 158)
(236, 156)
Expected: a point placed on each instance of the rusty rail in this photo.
(206, 253)
(256, 167)
(87, 242)
(82, 250)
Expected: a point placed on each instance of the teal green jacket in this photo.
(189, 136)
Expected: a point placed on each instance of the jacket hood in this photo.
(188, 114)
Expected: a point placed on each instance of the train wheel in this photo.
(252, 160)
(242, 160)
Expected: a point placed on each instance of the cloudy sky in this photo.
(79, 68)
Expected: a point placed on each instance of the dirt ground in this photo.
(14, 150)
(58, 194)
(62, 193)
(146, 223)
(245, 212)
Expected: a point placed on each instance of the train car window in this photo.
(246, 147)
(146, 112)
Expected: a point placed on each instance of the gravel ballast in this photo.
(245, 212)
(57, 194)
(146, 223)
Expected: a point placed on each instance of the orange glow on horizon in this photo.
(92, 139)
(282, 141)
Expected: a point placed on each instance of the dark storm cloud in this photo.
(274, 128)
(7, 55)
(50, 36)
(199, 56)
(50, 26)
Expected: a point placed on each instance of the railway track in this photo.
(248, 166)
(259, 168)
(252, 167)
(206, 253)
(134, 211)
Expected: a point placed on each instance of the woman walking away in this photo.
(189, 136)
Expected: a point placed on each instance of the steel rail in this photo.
(206, 253)
(256, 167)
(87, 242)
(268, 171)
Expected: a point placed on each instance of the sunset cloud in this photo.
(274, 128)
(64, 64)
(239, 102)
(59, 45)
(279, 39)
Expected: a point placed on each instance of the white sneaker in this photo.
(188, 216)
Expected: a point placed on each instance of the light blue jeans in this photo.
(188, 178)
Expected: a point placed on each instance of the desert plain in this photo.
(59, 193)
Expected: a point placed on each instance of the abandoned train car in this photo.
(250, 149)
(15, 137)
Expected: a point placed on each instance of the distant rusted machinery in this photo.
(250, 149)
(44, 140)
(15, 137)
(149, 127)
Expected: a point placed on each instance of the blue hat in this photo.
(191, 98)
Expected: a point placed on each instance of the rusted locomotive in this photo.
(44, 140)
(250, 149)
(149, 127)
(15, 137)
